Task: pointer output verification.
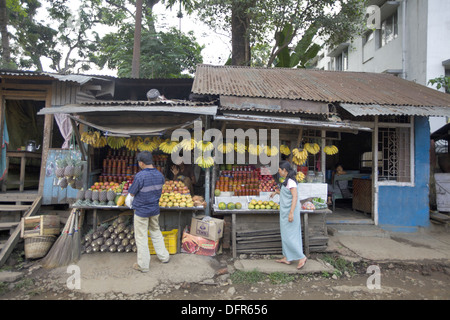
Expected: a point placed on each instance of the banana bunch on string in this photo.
(100, 142)
(204, 146)
(299, 156)
(132, 143)
(240, 147)
(254, 149)
(284, 149)
(225, 147)
(187, 144)
(168, 146)
(330, 150)
(203, 162)
(312, 148)
(270, 151)
(115, 142)
(148, 144)
(300, 176)
(90, 137)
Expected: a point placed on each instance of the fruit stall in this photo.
(107, 151)
(242, 194)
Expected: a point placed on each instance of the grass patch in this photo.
(247, 276)
(341, 265)
(280, 277)
(254, 276)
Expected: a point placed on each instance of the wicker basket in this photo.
(38, 246)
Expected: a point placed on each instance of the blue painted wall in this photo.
(405, 209)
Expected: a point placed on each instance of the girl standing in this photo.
(290, 224)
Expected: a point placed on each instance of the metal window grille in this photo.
(394, 145)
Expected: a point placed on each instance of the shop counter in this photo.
(179, 210)
(268, 212)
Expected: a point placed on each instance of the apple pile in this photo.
(263, 205)
(267, 184)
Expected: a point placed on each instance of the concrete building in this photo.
(408, 38)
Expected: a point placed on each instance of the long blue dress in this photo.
(291, 232)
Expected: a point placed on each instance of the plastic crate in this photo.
(170, 240)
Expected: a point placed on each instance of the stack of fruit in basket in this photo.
(176, 194)
(115, 237)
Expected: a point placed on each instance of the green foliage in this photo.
(341, 265)
(254, 276)
(247, 276)
(169, 54)
(304, 51)
(441, 82)
(335, 21)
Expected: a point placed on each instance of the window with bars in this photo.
(395, 148)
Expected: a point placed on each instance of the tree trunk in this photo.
(135, 64)
(6, 51)
(240, 44)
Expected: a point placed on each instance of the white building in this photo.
(412, 42)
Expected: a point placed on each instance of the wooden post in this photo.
(47, 141)
(78, 138)
(2, 117)
(207, 179)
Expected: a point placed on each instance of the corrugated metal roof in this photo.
(78, 78)
(315, 85)
(375, 110)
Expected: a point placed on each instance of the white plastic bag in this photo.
(129, 200)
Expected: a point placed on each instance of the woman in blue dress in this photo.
(290, 224)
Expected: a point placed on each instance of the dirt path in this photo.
(413, 281)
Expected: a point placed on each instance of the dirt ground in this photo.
(397, 281)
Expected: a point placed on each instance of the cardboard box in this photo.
(210, 228)
(198, 245)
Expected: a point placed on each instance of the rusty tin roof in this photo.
(315, 85)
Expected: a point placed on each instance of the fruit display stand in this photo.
(249, 217)
(175, 198)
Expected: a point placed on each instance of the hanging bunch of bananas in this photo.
(90, 137)
(312, 148)
(148, 144)
(132, 143)
(299, 156)
(284, 149)
(204, 146)
(187, 144)
(240, 147)
(300, 176)
(225, 147)
(115, 142)
(270, 151)
(330, 150)
(254, 149)
(168, 146)
(203, 162)
(100, 142)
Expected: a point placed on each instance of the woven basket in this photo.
(38, 246)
